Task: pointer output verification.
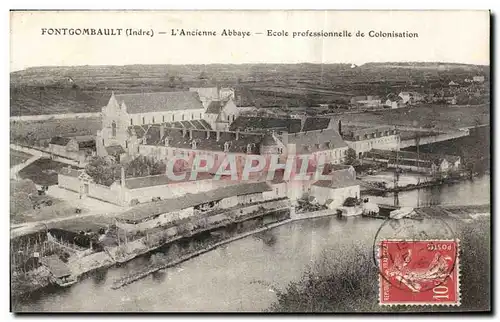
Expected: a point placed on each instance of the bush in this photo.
(349, 283)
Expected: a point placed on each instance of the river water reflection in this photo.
(242, 275)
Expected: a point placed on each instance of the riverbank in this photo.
(159, 266)
(82, 266)
(371, 188)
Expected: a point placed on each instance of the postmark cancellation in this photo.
(422, 272)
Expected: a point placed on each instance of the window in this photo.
(126, 144)
(183, 117)
(192, 116)
(228, 118)
(153, 119)
(113, 129)
(173, 118)
(234, 117)
(280, 150)
(131, 122)
(143, 120)
(200, 116)
(163, 118)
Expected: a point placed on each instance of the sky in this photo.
(443, 36)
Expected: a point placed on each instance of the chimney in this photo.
(218, 136)
(190, 134)
(122, 181)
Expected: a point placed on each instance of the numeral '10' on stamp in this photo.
(419, 272)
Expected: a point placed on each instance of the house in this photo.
(478, 79)
(410, 98)
(326, 144)
(394, 101)
(125, 110)
(221, 113)
(335, 191)
(77, 148)
(406, 96)
(363, 139)
(160, 213)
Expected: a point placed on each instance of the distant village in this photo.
(123, 165)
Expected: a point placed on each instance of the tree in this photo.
(350, 158)
(143, 166)
(103, 171)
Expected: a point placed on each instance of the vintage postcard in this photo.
(250, 161)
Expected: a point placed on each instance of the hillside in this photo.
(49, 90)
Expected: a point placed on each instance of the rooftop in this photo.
(158, 180)
(313, 141)
(151, 209)
(58, 140)
(159, 101)
(206, 140)
(256, 123)
(339, 179)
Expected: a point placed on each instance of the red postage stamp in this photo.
(419, 272)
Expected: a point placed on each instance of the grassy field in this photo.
(42, 130)
(17, 157)
(439, 117)
(53, 90)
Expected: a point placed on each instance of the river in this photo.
(242, 275)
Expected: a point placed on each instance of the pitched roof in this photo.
(214, 107)
(151, 209)
(316, 123)
(159, 101)
(85, 141)
(339, 179)
(58, 140)
(205, 139)
(313, 141)
(257, 123)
